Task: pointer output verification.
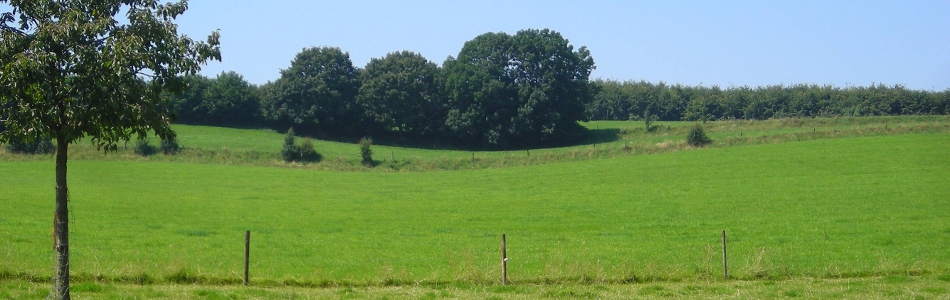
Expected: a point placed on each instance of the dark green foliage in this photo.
(366, 153)
(515, 91)
(35, 146)
(304, 152)
(227, 100)
(307, 152)
(402, 93)
(74, 69)
(697, 137)
(144, 148)
(629, 100)
(289, 152)
(170, 146)
(316, 94)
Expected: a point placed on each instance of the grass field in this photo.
(828, 208)
(818, 208)
(608, 139)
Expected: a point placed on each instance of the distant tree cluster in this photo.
(502, 91)
(637, 100)
(226, 100)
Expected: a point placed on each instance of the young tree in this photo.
(366, 151)
(289, 152)
(72, 69)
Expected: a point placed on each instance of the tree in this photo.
(70, 69)
(316, 94)
(523, 90)
(187, 105)
(231, 100)
(402, 92)
(366, 151)
(289, 152)
(225, 100)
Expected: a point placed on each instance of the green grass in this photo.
(609, 139)
(920, 287)
(830, 208)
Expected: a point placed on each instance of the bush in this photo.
(697, 137)
(143, 148)
(303, 152)
(365, 152)
(290, 152)
(306, 152)
(170, 146)
(37, 146)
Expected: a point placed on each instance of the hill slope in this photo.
(829, 208)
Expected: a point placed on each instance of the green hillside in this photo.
(825, 208)
(608, 139)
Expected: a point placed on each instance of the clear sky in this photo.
(724, 43)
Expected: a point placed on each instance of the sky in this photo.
(709, 43)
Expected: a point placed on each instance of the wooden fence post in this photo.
(725, 268)
(504, 261)
(247, 255)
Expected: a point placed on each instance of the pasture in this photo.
(845, 210)
(826, 208)
(608, 139)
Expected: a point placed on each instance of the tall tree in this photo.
(523, 90)
(231, 100)
(317, 94)
(71, 69)
(225, 100)
(189, 104)
(402, 92)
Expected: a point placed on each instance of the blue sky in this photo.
(724, 43)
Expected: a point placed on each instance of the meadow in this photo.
(608, 139)
(839, 209)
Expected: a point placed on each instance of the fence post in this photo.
(504, 261)
(247, 254)
(725, 268)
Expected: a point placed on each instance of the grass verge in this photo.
(884, 287)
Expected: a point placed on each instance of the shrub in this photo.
(306, 152)
(290, 152)
(648, 120)
(170, 146)
(143, 148)
(37, 146)
(697, 137)
(365, 152)
(303, 152)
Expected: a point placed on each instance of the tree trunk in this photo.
(61, 224)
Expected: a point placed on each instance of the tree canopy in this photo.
(71, 69)
(402, 92)
(524, 90)
(316, 94)
(226, 100)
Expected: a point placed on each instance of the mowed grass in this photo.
(850, 207)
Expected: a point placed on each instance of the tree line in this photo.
(636, 100)
(523, 90)
(502, 91)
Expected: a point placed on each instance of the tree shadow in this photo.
(599, 136)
